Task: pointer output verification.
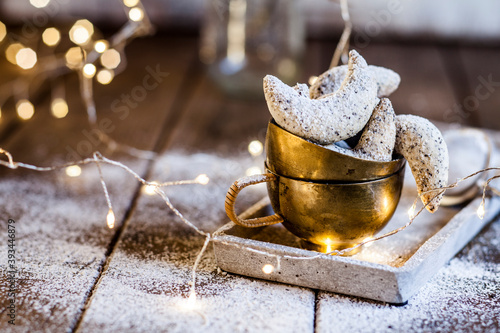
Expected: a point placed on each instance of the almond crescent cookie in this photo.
(330, 81)
(331, 118)
(378, 138)
(423, 146)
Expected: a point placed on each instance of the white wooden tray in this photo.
(391, 270)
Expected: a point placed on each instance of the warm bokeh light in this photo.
(312, 80)
(25, 109)
(255, 170)
(11, 52)
(202, 179)
(89, 70)
(110, 219)
(136, 14)
(236, 32)
(481, 211)
(81, 32)
(255, 148)
(26, 58)
(59, 108)
(191, 303)
(39, 3)
(268, 269)
(105, 76)
(74, 57)
(101, 45)
(411, 210)
(150, 189)
(0, 113)
(51, 36)
(73, 171)
(79, 35)
(366, 240)
(110, 59)
(3, 31)
(130, 3)
(287, 67)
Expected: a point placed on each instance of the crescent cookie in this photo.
(378, 138)
(423, 146)
(331, 118)
(330, 81)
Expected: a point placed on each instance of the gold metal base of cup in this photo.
(329, 248)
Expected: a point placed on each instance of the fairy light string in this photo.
(99, 159)
(80, 58)
(342, 49)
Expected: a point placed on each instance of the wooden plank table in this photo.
(77, 275)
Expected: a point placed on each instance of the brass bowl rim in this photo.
(396, 157)
(335, 183)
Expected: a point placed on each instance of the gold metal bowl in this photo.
(292, 156)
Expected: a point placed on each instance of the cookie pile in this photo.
(347, 100)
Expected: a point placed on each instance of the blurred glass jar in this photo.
(244, 40)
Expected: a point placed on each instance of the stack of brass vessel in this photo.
(330, 200)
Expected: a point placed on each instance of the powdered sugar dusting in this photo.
(423, 146)
(378, 138)
(463, 297)
(330, 81)
(61, 238)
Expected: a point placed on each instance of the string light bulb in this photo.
(480, 210)
(26, 58)
(25, 110)
(202, 179)
(101, 45)
(11, 52)
(59, 108)
(136, 14)
(110, 59)
(368, 239)
(81, 32)
(130, 3)
(51, 36)
(89, 70)
(255, 148)
(189, 304)
(411, 210)
(105, 76)
(73, 171)
(150, 189)
(267, 269)
(39, 3)
(74, 57)
(312, 80)
(3, 31)
(110, 219)
(254, 170)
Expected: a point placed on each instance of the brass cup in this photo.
(330, 200)
(292, 156)
(327, 216)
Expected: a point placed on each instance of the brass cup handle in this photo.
(233, 192)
